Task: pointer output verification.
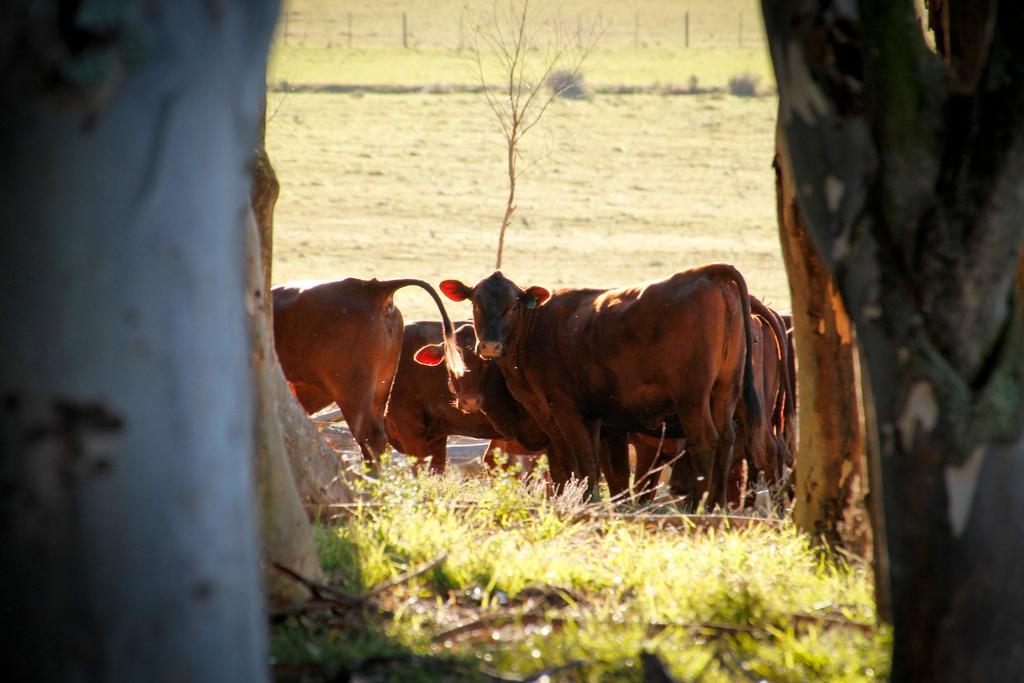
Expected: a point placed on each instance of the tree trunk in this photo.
(315, 468)
(286, 533)
(126, 515)
(285, 530)
(912, 186)
(830, 468)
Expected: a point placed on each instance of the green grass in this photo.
(541, 585)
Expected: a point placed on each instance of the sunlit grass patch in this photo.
(530, 584)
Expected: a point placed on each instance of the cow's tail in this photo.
(452, 353)
(750, 400)
(779, 409)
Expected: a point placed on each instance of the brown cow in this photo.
(423, 410)
(482, 387)
(629, 359)
(340, 341)
(765, 448)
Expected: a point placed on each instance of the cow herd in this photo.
(691, 371)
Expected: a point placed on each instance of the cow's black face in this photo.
(497, 305)
(468, 388)
(496, 308)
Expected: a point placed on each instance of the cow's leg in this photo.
(503, 445)
(614, 454)
(581, 441)
(723, 408)
(644, 480)
(684, 474)
(367, 427)
(701, 446)
(737, 482)
(437, 450)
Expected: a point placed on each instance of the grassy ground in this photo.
(529, 584)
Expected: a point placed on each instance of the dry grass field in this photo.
(622, 188)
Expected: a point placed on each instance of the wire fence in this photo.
(332, 26)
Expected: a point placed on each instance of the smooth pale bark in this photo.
(911, 182)
(126, 515)
(830, 467)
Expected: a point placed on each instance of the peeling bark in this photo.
(830, 468)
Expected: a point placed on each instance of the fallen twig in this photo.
(323, 591)
(828, 620)
(411, 574)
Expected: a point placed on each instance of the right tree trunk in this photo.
(911, 183)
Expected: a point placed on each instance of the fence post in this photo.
(350, 30)
(686, 29)
(405, 31)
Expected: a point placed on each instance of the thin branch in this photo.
(411, 574)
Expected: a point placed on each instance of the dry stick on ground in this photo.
(509, 36)
(322, 591)
(411, 574)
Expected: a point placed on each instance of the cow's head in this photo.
(497, 305)
(467, 386)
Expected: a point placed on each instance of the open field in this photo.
(622, 188)
(514, 584)
(438, 68)
(450, 23)
(625, 188)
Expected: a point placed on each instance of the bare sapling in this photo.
(525, 47)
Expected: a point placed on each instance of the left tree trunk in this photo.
(126, 518)
(286, 532)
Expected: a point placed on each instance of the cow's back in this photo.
(325, 323)
(633, 350)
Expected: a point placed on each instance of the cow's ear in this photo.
(431, 354)
(538, 296)
(455, 290)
